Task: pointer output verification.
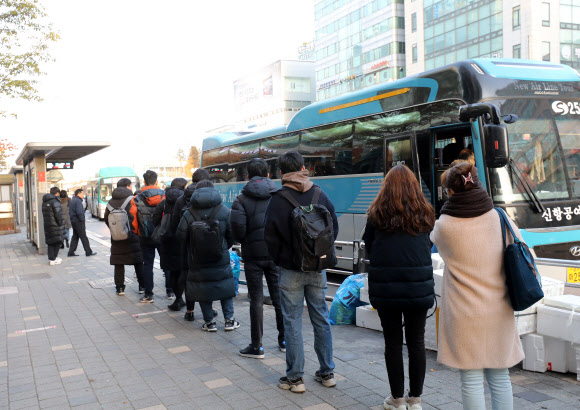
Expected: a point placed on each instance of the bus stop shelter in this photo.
(33, 159)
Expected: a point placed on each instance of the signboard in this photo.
(59, 165)
(306, 51)
(42, 176)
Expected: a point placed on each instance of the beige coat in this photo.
(477, 328)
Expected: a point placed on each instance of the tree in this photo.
(181, 158)
(193, 160)
(25, 35)
(6, 151)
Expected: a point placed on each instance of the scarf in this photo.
(298, 181)
(468, 204)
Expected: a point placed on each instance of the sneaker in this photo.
(51, 263)
(121, 291)
(414, 403)
(282, 346)
(58, 261)
(177, 305)
(395, 404)
(189, 316)
(231, 324)
(146, 299)
(141, 290)
(295, 386)
(209, 327)
(327, 380)
(252, 353)
(170, 296)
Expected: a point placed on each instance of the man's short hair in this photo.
(200, 174)
(465, 154)
(257, 167)
(55, 190)
(78, 191)
(179, 183)
(204, 184)
(124, 183)
(150, 177)
(291, 161)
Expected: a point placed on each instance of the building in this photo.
(439, 32)
(358, 43)
(271, 96)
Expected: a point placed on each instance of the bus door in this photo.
(401, 149)
(448, 142)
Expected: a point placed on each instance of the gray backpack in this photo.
(119, 221)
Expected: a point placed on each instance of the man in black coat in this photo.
(169, 253)
(295, 285)
(53, 224)
(247, 220)
(127, 252)
(77, 220)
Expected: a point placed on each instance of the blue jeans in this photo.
(296, 286)
(148, 259)
(499, 384)
(227, 309)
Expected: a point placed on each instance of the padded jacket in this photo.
(127, 252)
(53, 220)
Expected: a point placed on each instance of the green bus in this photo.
(100, 188)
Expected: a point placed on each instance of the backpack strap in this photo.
(285, 194)
(126, 202)
(316, 195)
(211, 216)
(215, 211)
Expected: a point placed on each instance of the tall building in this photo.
(358, 43)
(440, 32)
(270, 97)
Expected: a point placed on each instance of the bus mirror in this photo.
(496, 145)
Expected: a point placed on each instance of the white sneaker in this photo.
(57, 261)
(395, 404)
(52, 263)
(414, 403)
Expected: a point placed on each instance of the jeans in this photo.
(499, 384)
(415, 337)
(52, 251)
(296, 286)
(148, 259)
(120, 274)
(79, 232)
(254, 273)
(207, 309)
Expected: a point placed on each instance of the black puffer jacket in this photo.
(208, 282)
(401, 271)
(169, 252)
(53, 220)
(181, 204)
(248, 211)
(127, 252)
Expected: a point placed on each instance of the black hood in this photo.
(188, 192)
(204, 198)
(260, 188)
(49, 197)
(121, 193)
(172, 193)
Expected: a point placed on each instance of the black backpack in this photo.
(144, 217)
(312, 234)
(205, 237)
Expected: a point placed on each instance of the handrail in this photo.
(564, 263)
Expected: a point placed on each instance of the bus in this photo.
(100, 188)
(425, 121)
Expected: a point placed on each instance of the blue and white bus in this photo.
(351, 141)
(100, 188)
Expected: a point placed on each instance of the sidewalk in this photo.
(66, 344)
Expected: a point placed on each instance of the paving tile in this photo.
(324, 406)
(214, 384)
(165, 337)
(180, 349)
(533, 396)
(72, 372)
(61, 347)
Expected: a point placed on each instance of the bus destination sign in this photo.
(59, 165)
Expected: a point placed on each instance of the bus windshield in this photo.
(107, 185)
(545, 146)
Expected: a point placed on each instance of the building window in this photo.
(516, 17)
(414, 22)
(517, 51)
(546, 14)
(414, 53)
(545, 51)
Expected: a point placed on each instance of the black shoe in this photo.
(209, 327)
(121, 291)
(141, 290)
(214, 313)
(189, 316)
(327, 380)
(72, 254)
(177, 305)
(146, 299)
(91, 254)
(253, 353)
(231, 324)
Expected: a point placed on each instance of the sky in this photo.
(150, 76)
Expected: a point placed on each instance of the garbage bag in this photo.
(346, 300)
(235, 264)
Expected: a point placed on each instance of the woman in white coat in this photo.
(477, 328)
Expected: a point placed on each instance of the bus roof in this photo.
(111, 172)
(470, 81)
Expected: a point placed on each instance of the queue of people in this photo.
(477, 330)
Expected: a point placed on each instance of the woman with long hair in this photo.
(477, 328)
(401, 278)
(64, 201)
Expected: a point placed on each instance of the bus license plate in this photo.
(573, 275)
